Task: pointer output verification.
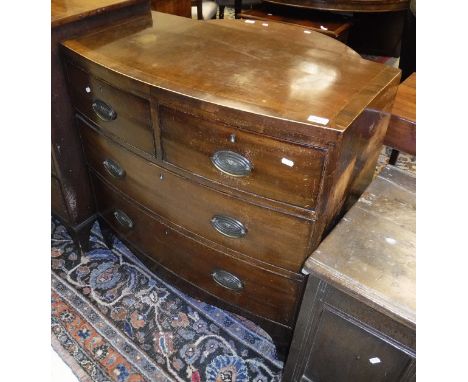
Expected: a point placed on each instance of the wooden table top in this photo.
(273, 70)
(405, 101)
(66, 11)
(326, 24)
(371, 253)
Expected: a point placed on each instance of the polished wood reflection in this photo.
(274, 71)
(348, 5)
(67, 11)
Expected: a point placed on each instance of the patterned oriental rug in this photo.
(113, 320)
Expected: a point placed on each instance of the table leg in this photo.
(393, 157)
(237, 8)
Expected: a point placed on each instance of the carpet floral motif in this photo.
(121, 323)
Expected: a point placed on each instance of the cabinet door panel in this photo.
(355, 353)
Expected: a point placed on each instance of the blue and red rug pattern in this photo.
(118, 322)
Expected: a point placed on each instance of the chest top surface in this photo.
(267, 69)
(371, 253)
(66, 11)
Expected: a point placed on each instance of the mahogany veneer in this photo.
(348, 5)
(228, 186)
(72, 201)
(332, 25)
(401, 133)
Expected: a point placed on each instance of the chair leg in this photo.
(393, 157)
(221, 11)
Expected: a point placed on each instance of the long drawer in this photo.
(277, 170)
(237, 282)
(267, 235)
(119, 113)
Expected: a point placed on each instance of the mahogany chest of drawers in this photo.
(223, 152)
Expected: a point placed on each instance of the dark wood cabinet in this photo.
(357, 319)
(228, 186)
(337, 338)
(72, 200)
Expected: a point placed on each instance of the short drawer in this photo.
(234, 281)
(267, 235)
(119, 113)
(277, 170)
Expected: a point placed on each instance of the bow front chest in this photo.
(223, 152)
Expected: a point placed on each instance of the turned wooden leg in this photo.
(80, 234)
(107, 234)
(221, 11)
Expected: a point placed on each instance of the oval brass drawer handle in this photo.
(228, 226)
(113, 168)
(231, 163)
(104, 111)
(227, 280)
(123, 219)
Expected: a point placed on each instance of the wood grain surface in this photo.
(67, 11)
(264, 293)
(371, 253)
(280, 170)
(272, 237)
(348, 5)
(133, 121)
(72, 200)
(306, 111)
(271, 74)
(401, 132)
(331, 25)
(177, 7)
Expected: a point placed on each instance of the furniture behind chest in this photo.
(358, 317)
(377, 25)
(401, 132)
(72, 201)
(226, 186)
(179, 7)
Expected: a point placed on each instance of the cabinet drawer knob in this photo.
(104, 111)
(231, 163)
(113, 168)
(227, 280)
(123, 219)
(228, 226)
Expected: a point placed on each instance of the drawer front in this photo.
(249, 162)
(361, 355)
(121, 114)
(267, 235)
(237, 282)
